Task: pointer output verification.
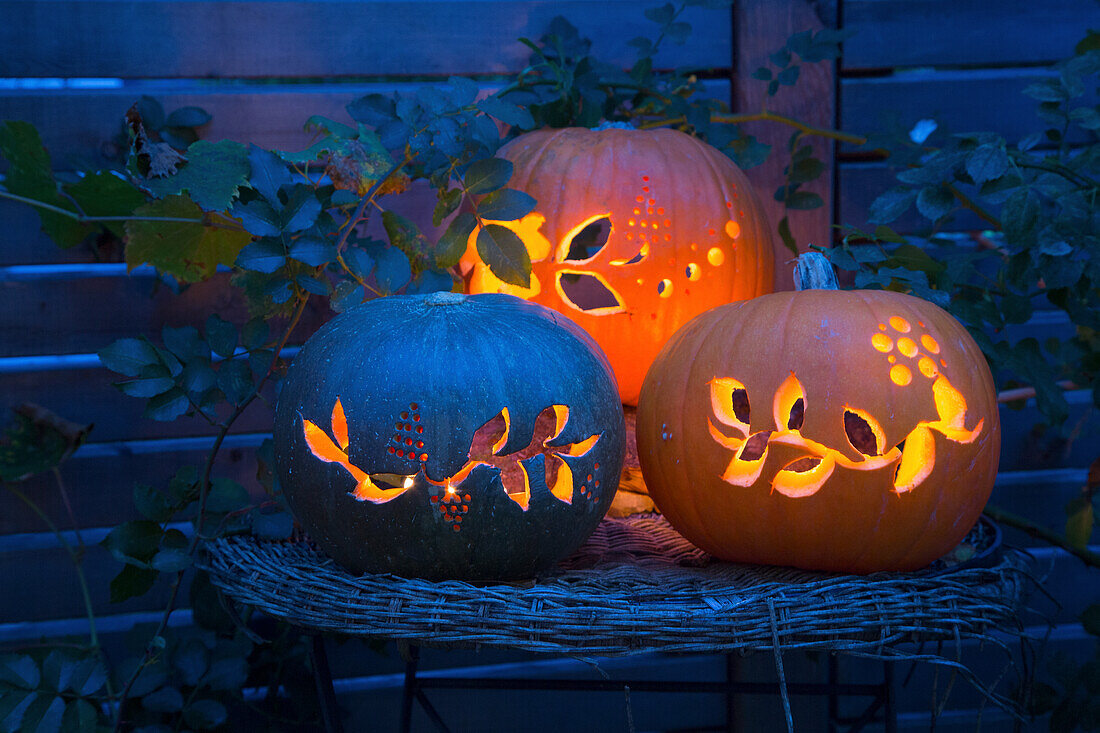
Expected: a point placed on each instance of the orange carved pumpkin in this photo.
(835, 430)
(635, 233)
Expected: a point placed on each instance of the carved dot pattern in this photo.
(925, 365)
(404, 440)
(452, 507)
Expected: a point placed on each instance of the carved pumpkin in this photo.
(449, 436)
(635, 232)
(834, 430)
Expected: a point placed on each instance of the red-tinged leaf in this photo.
(190, 248)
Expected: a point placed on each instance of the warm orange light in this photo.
(503, 439)
(899, 324)
(733, 229)
(873, 424)
(882, 342)
(664, 288)
(927, 367)
(930, 344)
(721, 403)
(693, 271)
(798, 484)
(340, 425)
(602, 311)
(900, 375)
(917, 461)
(716, 256)
(907, 347)
(786, 396)
(567, 240)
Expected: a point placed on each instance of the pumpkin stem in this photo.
(606, 125)
(812, 271)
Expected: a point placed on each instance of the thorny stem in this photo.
(765, 116)
(1062, 170)
(1039, 532)
(204, 492)
(83, 218)
(74, 555)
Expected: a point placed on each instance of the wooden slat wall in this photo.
(964, 63)
(262, 67)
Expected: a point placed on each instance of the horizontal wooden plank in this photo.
(99, 481)
(892, 33)
(322, 38)
(960, 101)
(42, 584)
(87, 314)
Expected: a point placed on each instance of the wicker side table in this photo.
(636, 586)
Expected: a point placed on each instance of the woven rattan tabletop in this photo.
(635, 586)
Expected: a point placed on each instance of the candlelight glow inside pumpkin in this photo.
(635, 232)
(449, 436)
(850, 431)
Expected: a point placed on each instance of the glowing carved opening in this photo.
(491, 438)
(639, 256)
(693, 272)
(716, 256)
(664, 288)
(790, 404)
(322, 446)
(863, 431)
(486, 444)
(588, 292)
(915, 456)
(582, 243)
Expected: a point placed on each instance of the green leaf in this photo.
(184, 342)
(1079, 522)
(662, 15)
(167, 406)
(221, 335)
(152, 503)
(226, 496)
(802, 200)
(29, 174)
(1047, 90)
(128, 356)
(311, 284)
(452, 244)
(145, 388)
(204, 714)
(890, 205)
(678, 32)
(986, 163)
(392, 270)
(487, 175)
(806, 170)
(330, 127)
(507, 204)
(190, 250)
(346, 294)
(235, 380)
(105, 193)
(372, 109)
(134, 542)
(167, 699)
(301, 211)
(263, 255)
(788, 76)
(19, 671)
(405, 235)
(506, 112)
(132, 582)
(1090, 619)
(188, 117)
(229, 673)
(463, 91)
(171, 561)
(446, 205)
(259, 217)
(212, 174)
(505, 254)
(313, 251)
(268, 173)
(431, 281)
(88, 676)
(80, 717)
(762, 73)
(12, 705)
(935, 202)
(358, 262)
(43, 715)
(785, 234)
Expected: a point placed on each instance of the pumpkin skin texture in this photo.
(389, 418)
(873, 369)
(687, 233)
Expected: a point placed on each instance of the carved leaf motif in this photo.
(340, 425)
